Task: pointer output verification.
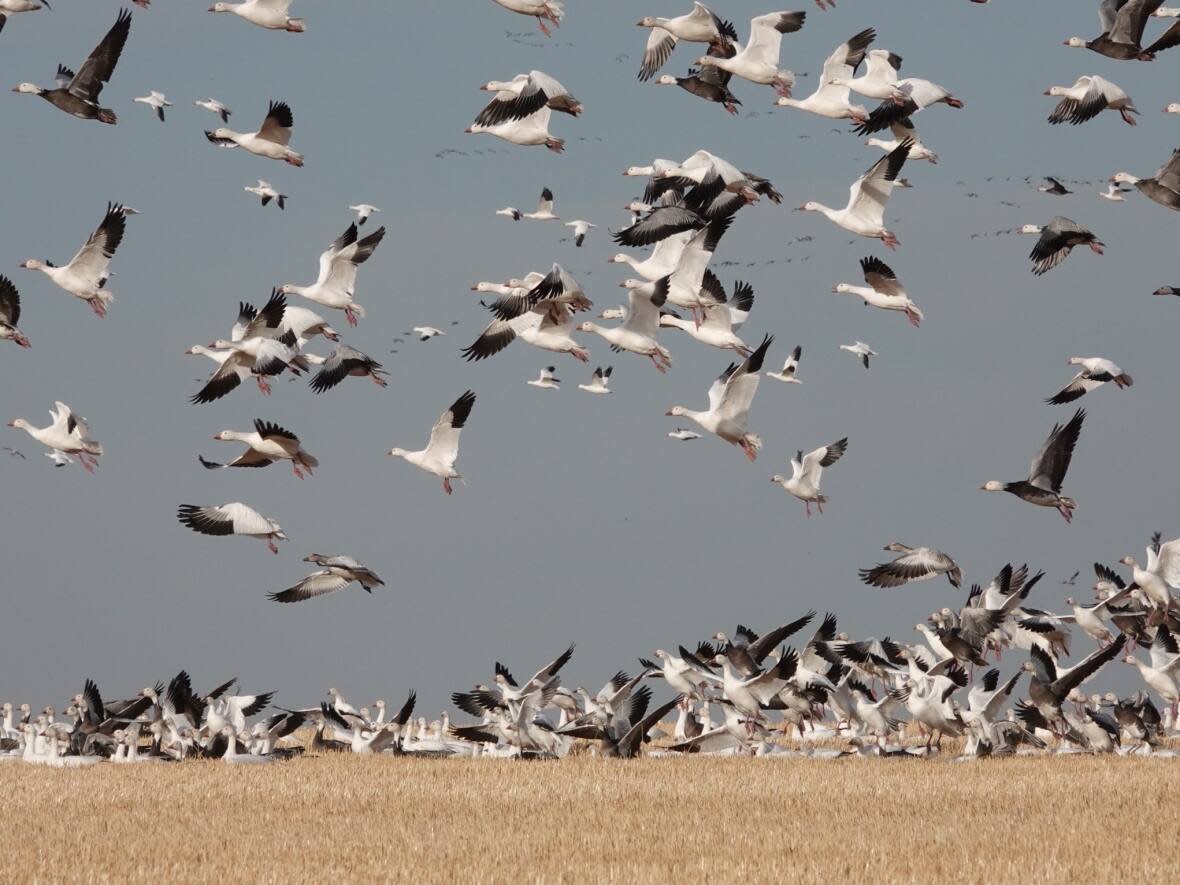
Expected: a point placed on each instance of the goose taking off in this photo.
(790, 367)
(1163, 188)
(264, 190)
(1043, 486)
(581, 228)
(598, 381)
(440, 453)
(758, 60)
(523, 95)
(77, 94)
(86, 275)
(884, 290)
(337, 573)
(1057, 239)
(68, 434)
(11, 7)
(336, 283)
(1160, 574)
(155, 100)
(547, 380)
(914, 564)
(212, 104)
(269, 14)
(234, 518)
(730, 398)
(861, 350)
(1122, 26)
(699, 26)
(1095, 372)
(806, 472)
(542, 10)
(270, 141)
(10, 313)
(865, 213)
(266, 444)
(1089, 96)
(831, 96)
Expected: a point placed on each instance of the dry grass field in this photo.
(343, 818)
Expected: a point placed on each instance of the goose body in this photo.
(598, 381)
(861, 350)
(269, 14)
(12, 7)
(883, 291)
(234, 518)
(530, 131)
(865, 213)
(790, 368)
(271, 141)
(701, 25)
(344, 362)
(1095, 371)
(1045, 477)
(1162, 188)
(807, 471)
(67, 434)
(157, 101)
(637, 334)
(581, 228)
(831, 96)
(758, 60)
(914, 564)
(337, 573)
(442, 451)
(266, 444)
(335, 284)
(86, 275)
(266, 191)
(363, 212)
(1056, 241)
(523, 95)
(1089, 96)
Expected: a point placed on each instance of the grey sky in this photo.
(580, 521)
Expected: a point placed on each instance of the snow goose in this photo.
(215, 106)
(336, 283)
(548, 325)
(1043, 486)
(1114, 193)
(581, 228)
(68, 434)
(1091, 618)
(639, 329)
(547, 380)
(914, 564)
(710, 83)
(865, 213)
(544, 210)
(831, 96)
(1095, 372)
(790, 367)
(1163, 188)
(270, 141)
(721, 317)
(510, 212)
(340, 364)
(880, 78)
(266, 444)
(234, 518)
(730, 398)
(736, 189)
(337, 573)
(264, 190)
(861, 350)
(269, 14)
(884, 290)
(1160, 574)
(523, 95)
(598, 381)
(701, 25)
(910, 96)
(10, 313)
(683, 435)
(440, 453)
(542, 10)
(77, 94)
(11, 7)
(363, 211)
(534, 291)
(1048, 688)
(1054, 187)
(155, 100)
(1089, 96)
(758, 60)
(663, 259)
(530, 131)
(255, 357)
(1167, 290)
(1122, 26)
(902, 130)
(806, 472)
(425, 333)
(86, 274)
(1057, 239)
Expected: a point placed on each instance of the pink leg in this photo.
(890, 240)
(379, 381)
(1130, 121)
(350, 315)
(97, 306)
(298, 472)
(1096, 247)
(913, 318)
(541, 24)
(86, 463)
(820, 504)
(447, 485)
(730, 107)
(271, 544)
(262, 385)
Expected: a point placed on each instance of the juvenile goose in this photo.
(861, 350)
(1043, 486)
(914, 564)
(701, 25)
(790, 368)
(10, 313)
(1095, 372)
(212, 104)
(865, 213)
(155, 100)
(884, 290)
(1057, 239)
(1162, 188)
(86, 274)
(269, 14)
(68, 434)
(1089, 96)
(523, 95)
(443, 449)
(710, 83)
(542, 10)
(335, 284)
(341, 363)
(337, 573)
(831, 96)
(266, 444)
(758, 60)
(806, 472)
(598, 381)
(270, 141)
(547, 380)
(264, 190)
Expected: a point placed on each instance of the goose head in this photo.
(1128, 561)
(677, 411)
(639, 171)
(19, 424)
(666, 80)
(992, 486)
(1076, 42)
(397, 453)
(1167, 290)
(649, 21)
(226, 435)
(34, 264)
(1173, 108)
(778, 478)
(587, 327)
(221, 133)
(221, 7)
(1124, 178)
(841, 288)
(809, 206)
(1057, 90)
(28, 89)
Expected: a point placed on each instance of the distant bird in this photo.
(542, 10)
(10, 313)
(598, 381)
(59, 459)
(1089, 96)
(1122, 31)
(865, 213)
(684, 435)
(266, 444)
(544, 210)
(86, 275)
(69, 434)
(1162, 188)
(11, 7)
(155, 100)
(212, 104)
(267, 193)
(335, 285)
(914, 564)
(699, 26)
(1054, 187)
(523, 95)
(270, 141)
(441, 452)
(806, 472)
(510, 212)
(425, 333)
(16, 453)
(758, 60)
(861, 350)
(1071, 580)
(1057, 239)
(337, 573)
(547, 380)
(341, 363)
(884, 290)
(269, 14)
(363, 211)
(1043, 486)
(234, 518)
(902, 130)
(581, 228)
(1114, 193)
(790, 367)
(1095, 372)
(77, 94)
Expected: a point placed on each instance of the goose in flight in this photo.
(865, 213)
(910, 96)
(523, 95)
(341, 363)
(806, 472)
(1122, 26)
(710, 83)
(1114, 193)
(1057, 239)
(337, 572)
(1047, 473)
(1160, 573)
(861, 350)
(902, 130)
(266, 444)
(269, 14)
(914, 564)
(336, 283)
(1089, 96)
(86, 275)
(548, 325)
(699, 26)
(598, 381)
(255, 357)
(790, 368)
(530, 131)
(215, 106)
(440, 453)
(880, 78)
(1054, 187)
(1048, 688)
(363, 211)
(542, 10)
(1162, 188)
(68, 434)
(639, 329)
(77, 94)
(425, 333)
(831, 96)
(270, 141)
(544, 210)
(10, 313)
(12, 7)
(1095, 371)
(1167, 290)
(155, 100)
(547, 380)
(234, 518)
(730, 398)
(684, 435)
(264, 190)
(722, 315)
(758, 60)
(884, 290)
(581, 228)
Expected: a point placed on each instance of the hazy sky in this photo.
(580, 520)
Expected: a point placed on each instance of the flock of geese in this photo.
(743, 693)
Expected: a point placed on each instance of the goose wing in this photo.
(9, 302)
(444, 436)
(815, 461)
(95, 255)
(276, 126)
(1052, 461)
(319, 583)
(228, 519)
(881, 278)
(870, 192)
(100, 64)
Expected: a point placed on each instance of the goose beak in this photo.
(669, 412)
(1047, 92)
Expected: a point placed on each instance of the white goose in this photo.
(865, 213)
(861, 350)
(884, 290)
(758, 60)
(721, 318)
(548, 325)
(910, 96)
(155, 100)
(880, 78)
(542, 10)
(443, 449)
(68, 434)
(1160, 574)
(831, 96)
(699, 26)
(806, 472)
(902, 130)
(266, 444)
(524, 94)
(790, 368)
(530, 131)
(1089, 96)
(598, 381)
(581, 228)
(234, 518)
(11, 7)
(336, 283)
(544, 210)
(269, 14)
(363, 211)
(215, 106)
(86, 275)
(1095, 371)
(663, 259)
(547, 380)
(639, 329)
(255, 357)
(10, 313)
(266, 191)
(270, 141)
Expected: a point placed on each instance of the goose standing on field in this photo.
(884, 290)
(581, 228)
(544, 210)
(914, 564)
(831, 96)
(806, 472)
(542, 10)
(865, 213)
(363, 211)
(1043, 486)
(1057, 239)
(684, 435)
(269, 14)
(1122, 26)
(155, 100)
(523, 95)
(234, 518)
(267, 193)
(340, 364)
(861, 350)
(530, 131)
(1089, 96)
(86, 275)
(1054, 187)
(547, 380)
(270, 141)
(336, 283)
(639, 329)
(699, 26)
(11, 7)
(212, 104)
(1095, 372)
(68, 434)
(790, 367)
(1163, 188)
(443, 449)
(758, 60)
(77, 94)
(10, 313)
(910, 96)
(266, 444)
(598, 381)
(337, 573)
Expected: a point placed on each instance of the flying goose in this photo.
(914, 564)
(581, 228)
(335, 284)
(440, 453)
(11, 7)
(10, 313)
(880, 78)
(544, 210)
(1095, 372)
(683, 435)
(865, 213)
(530, 131)
(548, 325)
(1089, 96)
(1122, 26)
(721, 317)
(255, 357)
(86, 274)
(1114, 193)
(710, 82)
(831, 96)
(523, 95)
(806, 472)
(910, 96)
(266, 444)
(270, 141)
(664, 257)
(212, 104)
(1160, 573)
(542, 10)
(1057, 239)
(598, 381)
(1167, 290)
(639, 329)
(341, 363)
(884, 290)
(699, 26)
(901, 130)
(861, 350)
(1048, 688)
(337, 573)
(1054, 187)
(790, 367)
(68, 434)
(425, 333)
(155, 100)
(758, 60)
(1162, 188)
(269, 14)
(1043, 486)
(730, 398)
(264, 190)
(234, 518)
(547, 380)
(77, 94)
(363, 211)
